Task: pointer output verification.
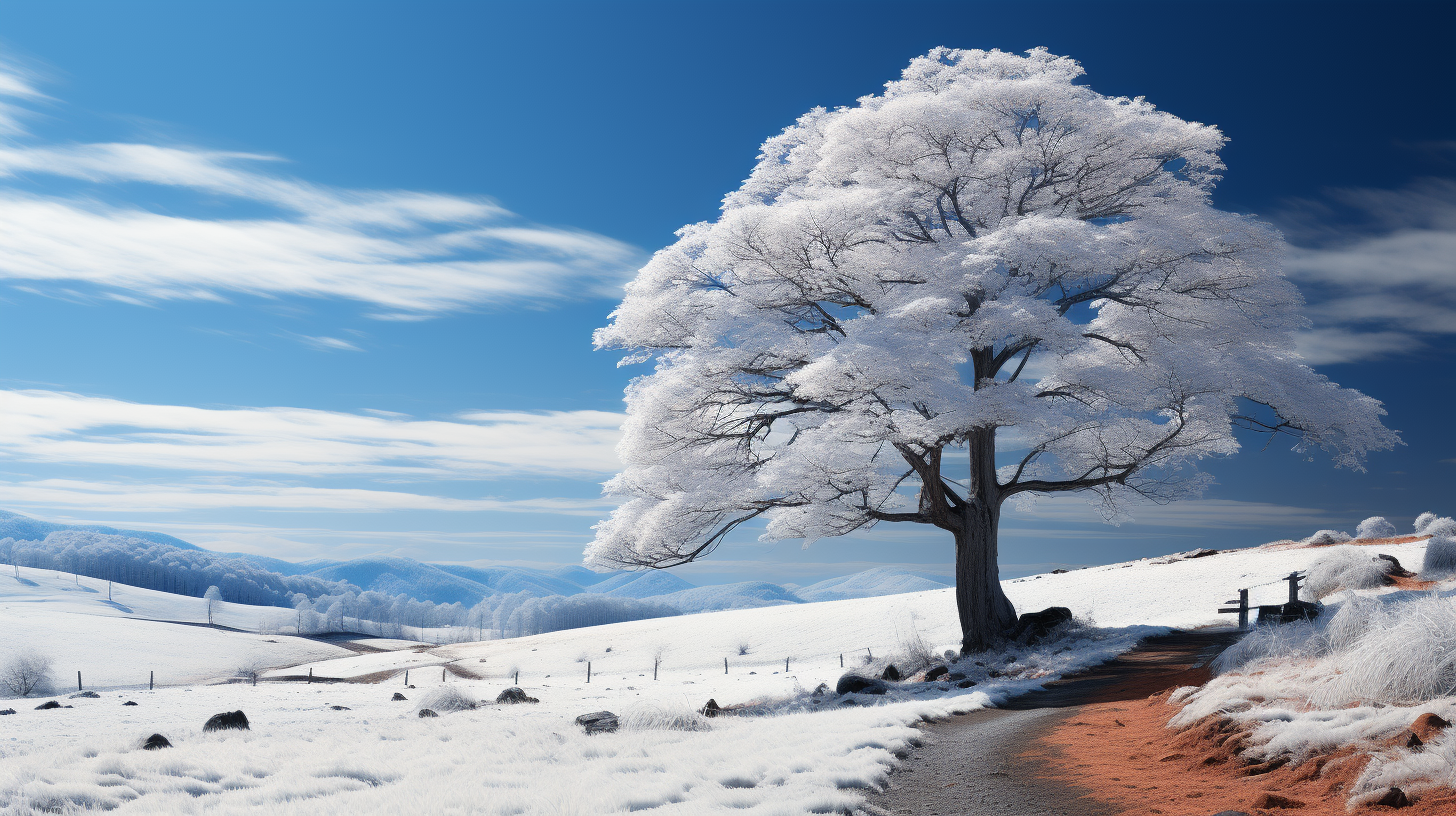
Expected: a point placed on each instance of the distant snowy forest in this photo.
(400, 597)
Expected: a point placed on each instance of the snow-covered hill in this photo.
(868, 584)
(376, 756)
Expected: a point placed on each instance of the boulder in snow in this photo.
(88, 694)
(859, 684)
(710, 709)
(5, 711)
(1395, 798)
(234, 720)
(514, 695)
(129, 703)
(598, 722)
(1428, 725)
(397, 697)
(46, 706)
(425, 713)
(935, 673)
(1032, 627)
(890, 673)
(156, 742)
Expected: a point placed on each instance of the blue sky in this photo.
(319, 279)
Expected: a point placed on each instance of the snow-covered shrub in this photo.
(1423, 521)
(1324, 538)
(1375, 527)
(1407, 655)
(25, 673)
(446, 699)
(1293, 640)
(1440, 560)
(1344, 568)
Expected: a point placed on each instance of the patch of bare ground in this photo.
(1358, 542)
(1123, 754)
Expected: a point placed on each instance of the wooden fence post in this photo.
(725, 665)
(588, 671)
(78, 680)
(310, 675)
(518, 679)
(786, 665)
(406, 677)
(1243, 609)
(152, 681)
(841, 660)
(1293, 580)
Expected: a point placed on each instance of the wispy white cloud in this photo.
(65, 428)
(112, 497)
(1384, 279)
(408, 254)
(327, 343)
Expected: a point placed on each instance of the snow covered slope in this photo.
(742, 595)
(868, 584)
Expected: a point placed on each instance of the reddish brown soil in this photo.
(1358, 542)
(1124, 753)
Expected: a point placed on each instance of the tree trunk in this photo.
(985, 611)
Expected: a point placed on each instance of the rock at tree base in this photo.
(128, 702)
(1428, 725)
(7, 711)
(88, 694)
(890, 673)
(425, 712)
(710, 709)
(47, 706)
(155, 742)
(1034, 626)
(1395, 797)
(936, 673)
(598, 722)
(857, 684)
(236, 720)
(514, 695)
(397, 697)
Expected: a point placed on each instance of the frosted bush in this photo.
(1375, 527)
(1324, 538)
(1423, 521)
(446, 699)
(25, 673)
(664, 718)
(1440, 560)
(1344, 568)
(1407, 655)
(1292, 640)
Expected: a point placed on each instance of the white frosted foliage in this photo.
(1375, 527)
(987, 245)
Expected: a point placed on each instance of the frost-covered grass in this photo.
(1359, 675)
(1440, 560)
(1344, 567)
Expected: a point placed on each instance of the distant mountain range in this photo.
(271, 580)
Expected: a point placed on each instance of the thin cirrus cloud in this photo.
(1387, 288)
(55, 427)
(406, 254)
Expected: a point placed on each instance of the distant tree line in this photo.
(319, 606)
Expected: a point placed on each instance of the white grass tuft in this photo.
(1375, 527)
(446, 699)
(1344, 568)
(1423, 521)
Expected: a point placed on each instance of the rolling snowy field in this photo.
(795, 755)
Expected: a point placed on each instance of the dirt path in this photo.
(995, 761)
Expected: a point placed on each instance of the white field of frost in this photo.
(377, 756)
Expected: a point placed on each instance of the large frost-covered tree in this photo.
(988, 281)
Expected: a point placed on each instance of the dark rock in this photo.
(46, 706)
(1429, 725)
(1060, 572)
(128, 702)
(857, 684)
(890, 673)
(965, 684)
(993, 673)
(5, 711)
(1033, 627)
(235, 720)
(88, 694)
(598, 722)
(936, 673)
(425, 712)
(156, 742)
(1202, 552)
(954, 677)
(1395, 568)
(1413, 742)
(340, 708)
(514, 695)
(710, 709)
(397, 697)
(1395, 797)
